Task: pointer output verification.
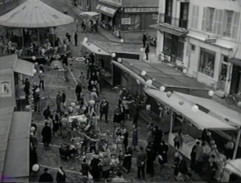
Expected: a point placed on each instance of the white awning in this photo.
(199, 119)
(89, 13)
(24, 67)
(95, 49)
(234, 166)
(215, 108)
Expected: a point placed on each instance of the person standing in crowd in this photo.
(211, 168)
(41, 80)
(60, 176)
(199, 158)
(78, 90)
(68, 36)
(162, 152)
(134, 137)
(193, 155)
(46, 176)
(95, 168)
(58, 102)
(47, 113)
(228, 149)
(104, 108)
(178, 140)
(83, 26)
(125, 140)
(105, 167)
(127, 160)
(151, 156)
(82, 79)
(147, 50)
(55, 126)
(93, 95)
(141, 162)
(46, 134)
(27, 90)
(144, 39)
(85, 168)
(126, 104)
(182, 169)
(76, 39)
(63, 98)
(157, 135)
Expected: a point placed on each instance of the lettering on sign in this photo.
(126, 21)
(137, 10)
(107, 10)
(5, 89)
(115, 2)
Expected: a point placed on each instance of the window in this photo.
(168, 11)
(194, 19)
(235, 25)
(193, 47)
(218, 22)
(207, 62)
(183, 15)
(208, 15)
(227, 23)
(167, 47)
(180, 48)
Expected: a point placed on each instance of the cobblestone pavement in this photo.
(55, 82)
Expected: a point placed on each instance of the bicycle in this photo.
(233, 98)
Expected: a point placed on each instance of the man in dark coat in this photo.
(46, 177)
(76, 39)
(144, 39)
(141, 162)
(61, 176)
(104, 107)
(46, 134)
(151, 156)
(63, 97)
(162, 152)
(95, 168)
(58, 102)
(27, 89)
(147, 50)
(78, 90)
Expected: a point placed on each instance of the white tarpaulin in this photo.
(199, 118)
(34, 14)
(95, 49)
(234, 166)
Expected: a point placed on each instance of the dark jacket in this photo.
(78, 89)
(46, 133)
(46, 177)
(60, 177)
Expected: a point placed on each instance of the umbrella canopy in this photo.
(34, 14)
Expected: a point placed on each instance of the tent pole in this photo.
(171, 122)
(23, 38)
(237, 144)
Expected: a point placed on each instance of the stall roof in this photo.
(89, 13)
(95, 49)
(18, 146)
(17, 65)
(215, 108)
(234, 166)
(34, 14)
(199, 119)
(140, 3)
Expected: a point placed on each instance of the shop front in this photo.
(236, 76)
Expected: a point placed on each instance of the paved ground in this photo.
(55, 82)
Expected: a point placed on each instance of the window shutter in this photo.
(197, 15)
(235, 23)
(193, 17)
(220, 22)
(215, 22)
(204, 21)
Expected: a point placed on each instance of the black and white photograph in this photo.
(135, 91)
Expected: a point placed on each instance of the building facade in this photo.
(213, 43)
(87, 5)
(127, 18)
(171, 31)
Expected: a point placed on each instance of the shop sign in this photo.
(139, 10)
(107, 10)
(5, 89)
(126, 21)
(115, 2)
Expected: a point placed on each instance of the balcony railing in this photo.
(163, 18)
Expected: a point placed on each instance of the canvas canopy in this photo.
(234, 166)
(199, 119)
(89, 13)
(95, 49)
(34, 14)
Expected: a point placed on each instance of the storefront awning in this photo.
(199, 119)
(24, 67)
(235, 61)
(164, 27)
(95, 49)
(234, 166)
(106, 10)
(18, 146)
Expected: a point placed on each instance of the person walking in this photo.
(46, 134)
(46, 177)
(47, 113)
(78, 90)
(76, 39)
(193, 155)
(144, 39)
(147, 50)
(127, 160)
(104, 107)
(60, 176)
(151, 156)
(58, 102)
(141, 162)
(63, 98)
(41, 80)
(134, 137)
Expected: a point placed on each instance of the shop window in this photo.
(168, 12)
(207, 62)
(167, 47)
(180, 48)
